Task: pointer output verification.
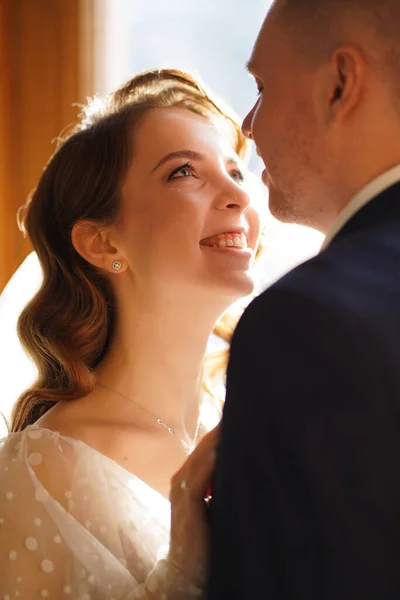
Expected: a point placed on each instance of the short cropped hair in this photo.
(323, 24)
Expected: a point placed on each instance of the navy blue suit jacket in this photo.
(306, 494)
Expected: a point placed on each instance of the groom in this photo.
(306, 496)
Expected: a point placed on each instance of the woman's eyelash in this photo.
(235, 174)
(239, 173)
(187, 165)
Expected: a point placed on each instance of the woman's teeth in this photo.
(227, 240)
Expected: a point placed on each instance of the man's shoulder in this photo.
(354, 266)
(342, 283)
(312, 278)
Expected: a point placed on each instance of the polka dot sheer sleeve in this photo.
(74, 524)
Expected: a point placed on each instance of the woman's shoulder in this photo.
(38, 452)
(64, 470)
(19, 445)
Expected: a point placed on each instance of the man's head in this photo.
(327, 119)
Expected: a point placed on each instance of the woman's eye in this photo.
(237, 176)
(182, 171)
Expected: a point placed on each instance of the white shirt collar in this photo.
(368, 193)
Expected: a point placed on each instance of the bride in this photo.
(146, 233)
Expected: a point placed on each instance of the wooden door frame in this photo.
(47, 56)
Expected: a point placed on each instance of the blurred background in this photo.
(56, 53)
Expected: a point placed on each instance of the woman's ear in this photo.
(93, 242)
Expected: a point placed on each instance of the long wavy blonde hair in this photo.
(68, 325)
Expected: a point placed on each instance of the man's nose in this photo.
(246, 125)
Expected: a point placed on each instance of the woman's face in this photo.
(186, 220)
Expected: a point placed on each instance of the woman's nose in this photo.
(233, 196)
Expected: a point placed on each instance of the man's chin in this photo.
(278, 203)
(283, 212)
(280, 208)
(288, 208)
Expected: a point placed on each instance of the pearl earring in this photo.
(116, 265)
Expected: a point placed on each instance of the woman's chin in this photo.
(238, 286)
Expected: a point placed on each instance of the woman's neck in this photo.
(156, 360)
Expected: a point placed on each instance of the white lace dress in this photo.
(74, 524)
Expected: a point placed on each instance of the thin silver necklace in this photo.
(187, 447)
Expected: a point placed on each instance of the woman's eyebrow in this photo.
(233, 161)
(187, 154)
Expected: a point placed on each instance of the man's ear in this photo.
(93, 242)
(347, 80)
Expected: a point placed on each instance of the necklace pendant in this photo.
(187, 447)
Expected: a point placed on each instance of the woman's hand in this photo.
(189, 527)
